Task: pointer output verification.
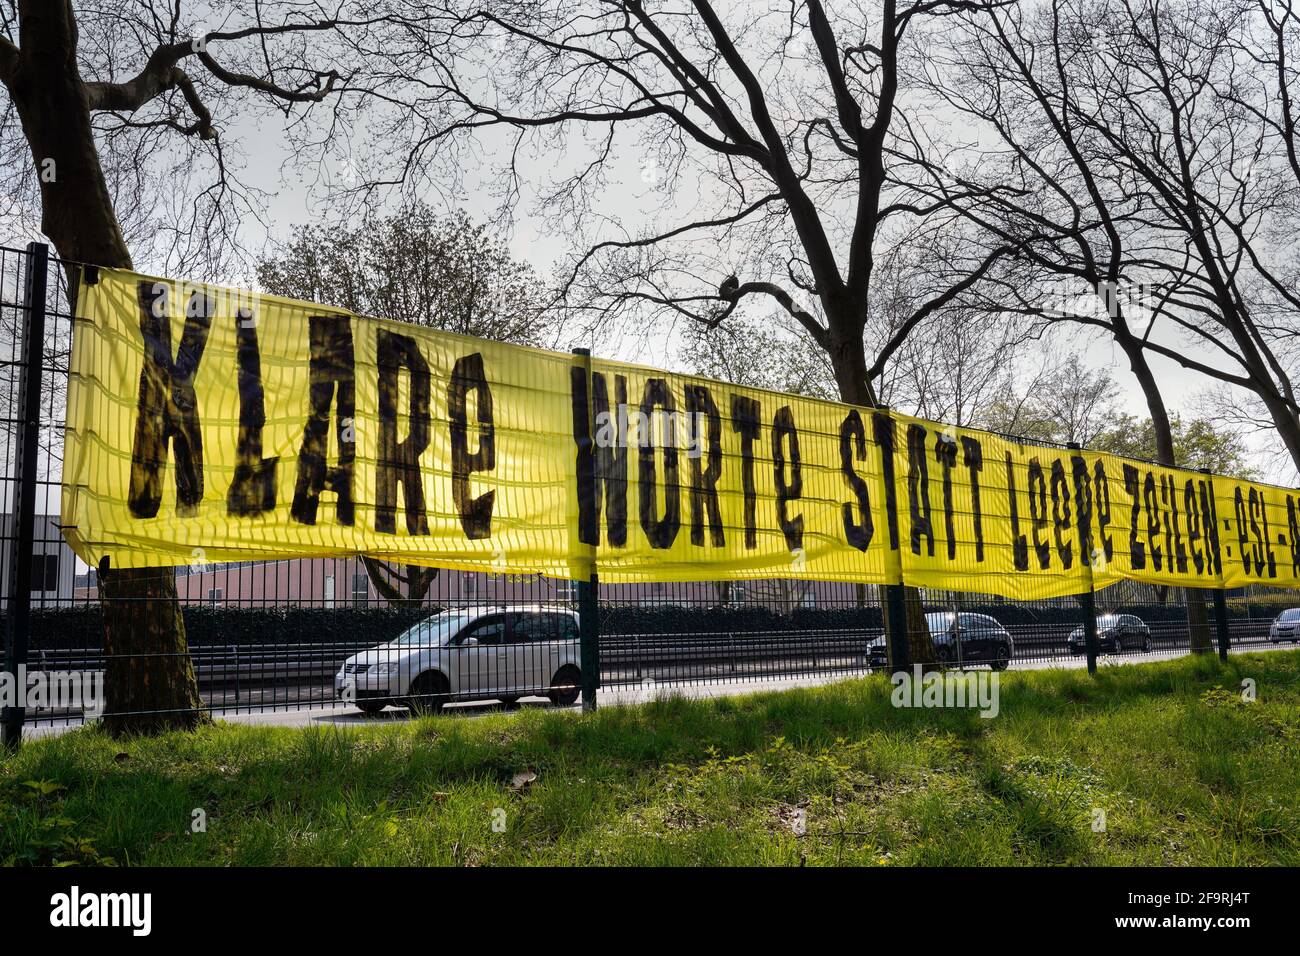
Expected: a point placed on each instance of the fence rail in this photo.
(280, 635)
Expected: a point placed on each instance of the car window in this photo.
(434, 631)
(486, 630)
(531, 628)
(568, 627)
(939, 621)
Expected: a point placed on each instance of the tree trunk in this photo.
(149, 677)
(848, 360)
(149, 667)
(417, 580)
(1198, 618)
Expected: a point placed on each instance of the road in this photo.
(313, 705)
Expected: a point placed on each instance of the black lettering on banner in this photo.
(973, 459)
(252, 491)
(168, 410)
(918, 490)
(1194, 521)
(1260, 503)
(661, 531)
(584, 465)
(468, 376)
(1268, 537)
(1037, 486)
(1169, 521)
(1164, 520)
(853, 446)
(1019, 544)
(704, 481)
(1133, 487)
(399, 461)
(1083, 507)
(945, 453)
(1209, 511)
(1061, 514)
(1151, 500)
(785, 434)
(1293, 528)
(1179, 554)
(1243, 532)
(746, 420)
(1101, 506)
(333, 381)
(602, 461)
(882, 429)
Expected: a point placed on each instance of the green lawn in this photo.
(1185, 770)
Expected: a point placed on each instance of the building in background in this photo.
(54, 566)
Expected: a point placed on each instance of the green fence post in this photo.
(1220, 606)
(26, 462)
(1089, 603)
(1087, 599)
(588, 583)
(894, 610)
(589, 631)
(900, 649)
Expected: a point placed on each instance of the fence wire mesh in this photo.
(373, 638)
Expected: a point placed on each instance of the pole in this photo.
(588, 582)
(1088, 599)
(1220, 599)
(20, 546)
(895, 610)
(1089, 604)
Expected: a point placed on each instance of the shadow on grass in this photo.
(1180, 768)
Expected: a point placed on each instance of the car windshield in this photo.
(1107, 620)
(1292, 615)
(435, 631)
(939, 620)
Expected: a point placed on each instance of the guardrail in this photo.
(218, 664)
(279, 676)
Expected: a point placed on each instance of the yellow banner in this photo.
(209, 424)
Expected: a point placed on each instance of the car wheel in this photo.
(566, 687)
(1146, 644)
(371, 707)
(1001, 658)
(428, 693)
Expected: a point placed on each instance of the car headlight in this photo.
(386, 669)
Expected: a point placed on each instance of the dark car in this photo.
(960, 638)
(1115, 633)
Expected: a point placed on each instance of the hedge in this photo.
(208, 625)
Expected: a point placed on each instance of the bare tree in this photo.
(113, 124)
(769, 138)
(416, 266)
(1139, 160)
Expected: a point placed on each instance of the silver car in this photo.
(502, 653)
(1286, 627)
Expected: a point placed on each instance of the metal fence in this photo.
(372, 638)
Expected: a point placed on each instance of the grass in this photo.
(1185, 771)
